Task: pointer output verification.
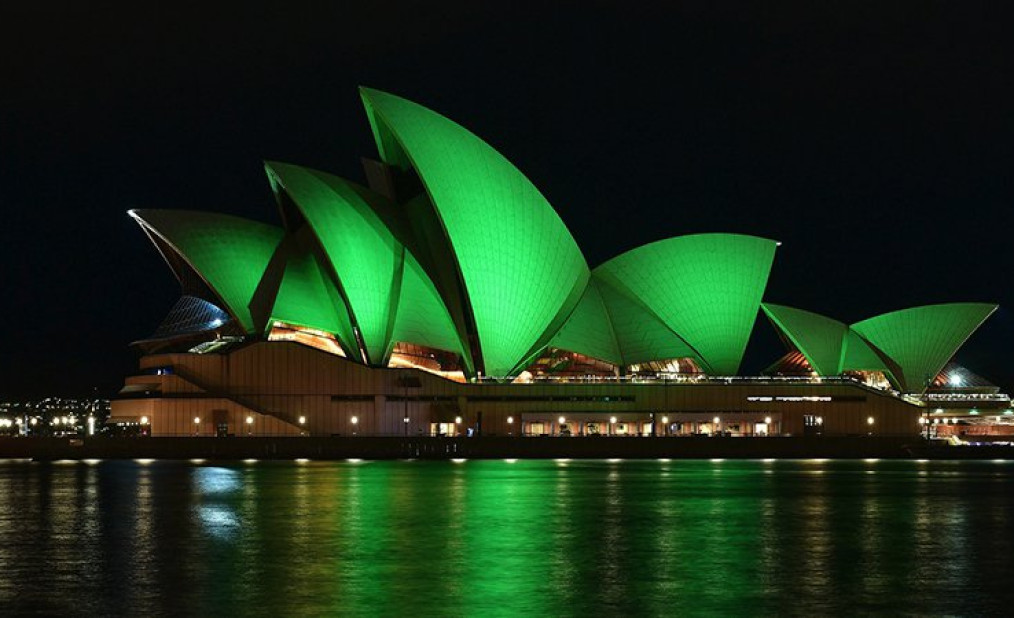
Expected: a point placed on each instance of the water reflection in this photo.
(218, 518)
(492, 537)
(216, 480)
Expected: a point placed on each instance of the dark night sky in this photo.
(874, 139)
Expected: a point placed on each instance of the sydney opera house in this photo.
(447, 297)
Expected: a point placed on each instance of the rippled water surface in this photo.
(502, 538)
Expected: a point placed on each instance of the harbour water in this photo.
(528, 537)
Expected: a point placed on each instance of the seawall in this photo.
(490, 448)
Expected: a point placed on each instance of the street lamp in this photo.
(197, 425)
(249, 425)
(406, 425)
(612, 422)
(717, 422)
(355, 422)
(869, 421)
(665, 425)
(510, 425)
(563, 423)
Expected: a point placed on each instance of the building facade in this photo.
(448, 297)
(285, 388)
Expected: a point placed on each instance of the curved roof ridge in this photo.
(995, 306)
(694, 235)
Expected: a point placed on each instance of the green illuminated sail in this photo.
(922, 339)
(521, 270)
(820, 339)
(229, 253)
(422, 317)
(705, 287)
(367, 259)
(640, 334)
(857, 355)
(305, 298)
(589, 330)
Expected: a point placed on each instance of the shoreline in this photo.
(432, 448)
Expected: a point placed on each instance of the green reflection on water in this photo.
(498, 538)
